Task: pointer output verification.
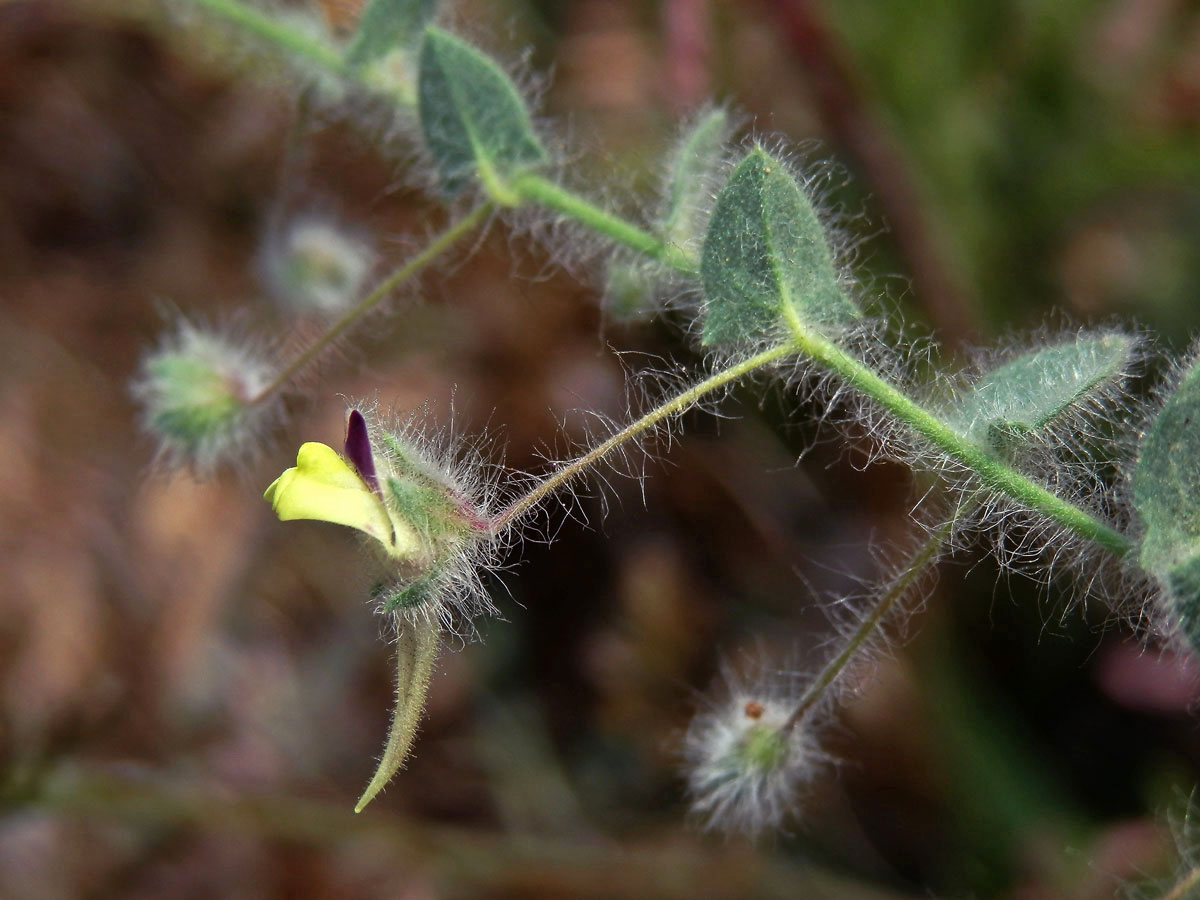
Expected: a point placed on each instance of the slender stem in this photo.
(295, 157)
(894, 593)
(271, 30)
(672, 407)
(436, 248)
(1182, 887)
(991, 471)
(529, 186)
(534, 187)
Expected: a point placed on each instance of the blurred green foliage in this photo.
(1047, 137)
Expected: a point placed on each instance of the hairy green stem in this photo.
(289, 40)
(676, 405)
(924, 556)
(991, 471)
(436, 248)
(528, 186)
(537, 189)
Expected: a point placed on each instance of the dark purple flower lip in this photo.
(358, 449)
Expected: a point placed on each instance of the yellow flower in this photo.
(324, 487)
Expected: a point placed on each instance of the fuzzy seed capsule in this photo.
(198, 391)
(746, 761)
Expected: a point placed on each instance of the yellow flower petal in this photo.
(322, 486)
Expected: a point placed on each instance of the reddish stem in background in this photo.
(844, 111)
(686, 27)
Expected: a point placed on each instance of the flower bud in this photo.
(198, 392)
(317, 267)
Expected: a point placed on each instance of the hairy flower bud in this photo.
(198, 391)
(317, 267)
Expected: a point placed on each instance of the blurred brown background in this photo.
(192, 693)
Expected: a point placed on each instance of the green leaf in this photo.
(387, 25)
(1012, 403)
(766, 260)
(694, 169)
(1166, 494)
(474, 119)
(422, 590)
